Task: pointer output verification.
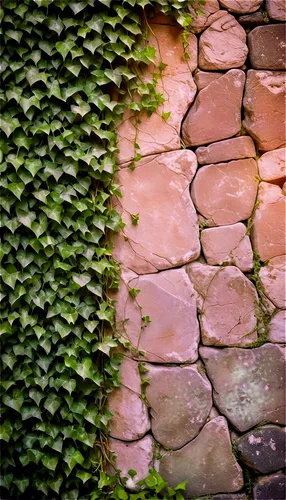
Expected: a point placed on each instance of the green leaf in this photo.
(82, 279)
(50, 462)
(52, 404)
(17, 188)
(15, 401)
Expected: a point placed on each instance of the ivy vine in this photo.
(61, 62)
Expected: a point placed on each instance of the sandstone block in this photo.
(265, 97)
(227, 496)
(216, 113)
(223, 45)
(272, 166)
(252, 20)
(200, 21)
(273, 487)
(241, 6)
(273, 279)
(230, 149)
(277, 333)
(267, 47)
(167, 233)
(204, 78)
(269, 222)
(248, 384)
(228, 245)
(276, 9)
(225, 193)
(207, 462)
(180, 399)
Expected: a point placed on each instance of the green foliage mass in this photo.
(61, 62)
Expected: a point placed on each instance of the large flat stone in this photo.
(248, 384)
(228, 245)
(230, 149)
(228, 308)
(277, 328)
(270, 487)
(264, 97)
(267, 47)
(180, 399)
(241, 6)
(223, 45)
(268, 228)
(202, 15)
(168, 298)
(167, 233)
(234, 195)
(263, 449)
(276, 9)
(207, 462)
(272, 166)
(273, 279)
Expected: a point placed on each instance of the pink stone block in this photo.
(272, 166)
(273, 278)
(231, 149)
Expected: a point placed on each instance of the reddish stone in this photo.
(270, 487)
(231, 149)
(267, 47)
(241, 6)
(204, 78)
(277, 328)
(213, 117)
(225, 193)
(273, 279)
(272, 166)
(252, 20)
(202, 15)
(276, 9)
(265, 97)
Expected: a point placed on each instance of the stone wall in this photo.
(202, 294)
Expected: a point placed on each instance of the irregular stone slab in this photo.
(252, 20)
(168, 338)
(228, 309)
(213, 117)
(154, 134)
(267, 47)
(276, 9)
(265, 96)
(180, 399)
(228, 245)
(248, 384)
(207, 462)
(272, 487)
(277, 329)
(223, 45)
(137, 456)
(239, 496)
(241, 6)
(167, 233)
(231, 149)
(234, 195)
(272, 166)
(201, 277)
(201, 20)
(130, 419)
(273, 279)
(269, 222)
(204, 78)
(263, 449)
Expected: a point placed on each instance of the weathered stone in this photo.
(241, 6)
(252, 20)
(265, 97)
(201, 20)
(276, 9)
(270, 488)
(267, 47)
(263, 449)
(201, 276)
(207, 462)
(228, 309)
(154, 134)
(204, 78)
(272, 166)
(180, 399)
(167, 233)
(277, 328)
(171, 337)
(231, 149)
(269, 222)
(234, 195)
(130, 419)
(213, 117)
(273, 279)
(228, 245)
(223, 45)
(248, 384)
(227, 496)
(137, 456)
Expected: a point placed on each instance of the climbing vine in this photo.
(61, 63)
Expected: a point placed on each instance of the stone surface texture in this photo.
(202, 19)
(273, 279)
(252, 20)
(277, 329)
(267, 47)
(204, 78)
(230, 149)
(270, 487)
(241, 6)
(248, 384)
(272, 166)
(276, 9)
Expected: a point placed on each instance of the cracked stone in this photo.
(267, 47)
(207, 462)
(248, 384)
(273, 279)
(180, 399)
(216, 112)
(201, 20)
(265, 96)
(277, 328)
(263, 449)
(228, 305)
(130, 419)
(228, 245)
(168, 298)
(230, 149)
(137, 456)
(269, 222)
(167, 233)
(241, 6)
(223, 45)
(235, 191)
(272, 166)
(204, 78)
(270, 487)
(276, 9)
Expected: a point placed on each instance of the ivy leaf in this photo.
(64, 47)
(50, 461)
(52, 404)
(16, 401)
(82, 279)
